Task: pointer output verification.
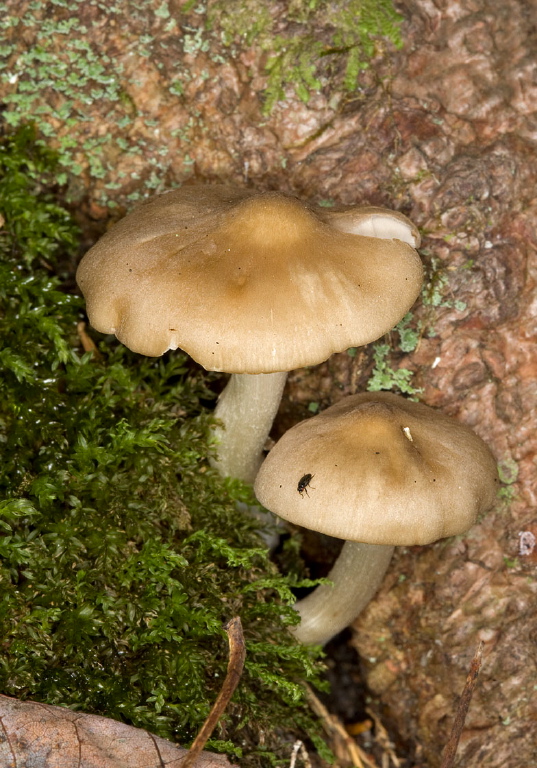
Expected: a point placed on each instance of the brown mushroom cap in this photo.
(385, 470)
(243, 282)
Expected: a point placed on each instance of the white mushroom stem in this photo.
(247, 408)
(356, 576)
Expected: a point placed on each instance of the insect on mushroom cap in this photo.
(387, 471)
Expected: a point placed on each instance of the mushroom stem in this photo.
(355, 577)
(247, 408)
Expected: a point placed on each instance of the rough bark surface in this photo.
(468, 93)
(444, 130)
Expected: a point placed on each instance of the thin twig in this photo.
(88, 345)
(448, 755)
(383, 740)
(237, 654)
(337, 733)
(298, 746)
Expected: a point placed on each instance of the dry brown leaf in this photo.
(34, 735)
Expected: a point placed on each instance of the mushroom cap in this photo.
(247, 283)
(373, 222)
(384, 470)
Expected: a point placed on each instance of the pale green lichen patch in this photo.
(132, 97)
(385, 377)
(406, 336)
(75, 79)
(58, 70)
(436, 294)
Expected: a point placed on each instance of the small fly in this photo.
(303, 483)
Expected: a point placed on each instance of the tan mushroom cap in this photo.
(243, 282)
(385, 470)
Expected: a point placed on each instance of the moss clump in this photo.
(122, 552)
(320, 39)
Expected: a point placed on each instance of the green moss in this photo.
(508, 474)
(322, 38)
(508, 471)
(122, 552)
(436, 294)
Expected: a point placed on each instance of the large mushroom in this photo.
(251, 284)
(378, 471)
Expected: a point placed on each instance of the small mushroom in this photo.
(383, 471)
(251, 284)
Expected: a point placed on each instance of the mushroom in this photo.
(378, 471)
(251, 284)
